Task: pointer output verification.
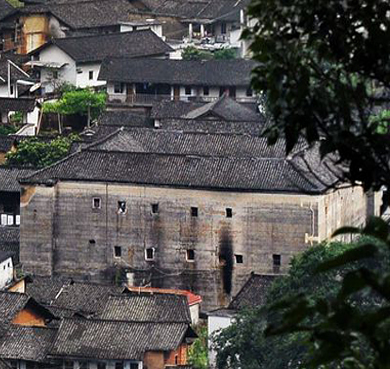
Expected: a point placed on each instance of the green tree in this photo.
(36, 153)
(199, 349)
(324, 67)
(245, 345)
(192, 53)
(82, 101)
(225, 54)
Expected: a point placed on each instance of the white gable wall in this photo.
(6, 272)
(82, 77)
(66, 74)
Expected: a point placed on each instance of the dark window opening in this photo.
(149, 254)
(121, 207)
(96, 203)
(222, 90)
(176, 360)
(101, 365)
(55, 74)
(194, 211)
(117, 251)
(11, 90)
(232, 92)
(119, 365)
(68, 364)
(277, 260)
(188, 90)
(154, 208)
(223, 28)
(239, 259)
(206, 91)
(229, 213)
(83, 365)
(190, 255)
(118, 88)
(92, 242)
(133, 366)
(90, 75)
(249, 92)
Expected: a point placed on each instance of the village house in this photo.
(252, 295)
(6, 269)
(77, 60)
(193, 211)
(26, 107)
(142, 82)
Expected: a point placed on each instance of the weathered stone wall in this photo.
(82, 239)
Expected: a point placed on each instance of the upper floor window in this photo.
(206, 90)
(122, 209)
(194, 211)
(154, 208)
(90, 74)
(149, 253)
(229, 213)
(249, 92)
(188, 90)
(118, 88)
(223, 28)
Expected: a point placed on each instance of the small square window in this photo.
(239, 258)
(96, 203)
(90, 74)
(190, 255)
(277, 260)
(122, 207)
(249, 92)
(117, 251)
(92, 242)
(194, 211)
(149, 254)
(206, 91)
(229, 213)
(154, 208)
(55, 74)
(9, 265)
(188, 90)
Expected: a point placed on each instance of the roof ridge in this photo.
(102, 35)
(104, 139)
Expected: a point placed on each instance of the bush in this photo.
(7, 129)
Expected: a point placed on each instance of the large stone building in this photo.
(187, 210)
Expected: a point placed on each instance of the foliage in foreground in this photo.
(36, 153)
(198, 351)
(307, 297)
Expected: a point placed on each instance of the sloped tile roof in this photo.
(114, 340)
(9, 241)
(253, 174)
(253, 293)
(10, 304)
(87, 298)
(9, 178)
(45, 289)
(5, 8)
(124, 118)
(86, 14)
(212, 126)
(26, 343)
(224, 108)
(4, 255)
(6, 143)
(145, 307)
(235, 72)
(97, 47)
(176, 142)
(16, 104)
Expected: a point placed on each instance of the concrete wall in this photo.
(75, 239)
(6, 272)
(82, 77)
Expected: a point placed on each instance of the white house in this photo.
(6, 269)
(77, 60)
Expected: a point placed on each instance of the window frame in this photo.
(153, 254)
(186, 89)
(188, 254)
(116, 254)
(95, 198)
(90, 75)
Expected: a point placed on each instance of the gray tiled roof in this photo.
(6, 143)
(97, 47)
(114, 340)
(45, 289)
(235, 72)
(16, 104)
(87, 298)
(147, 307)
(253, 293)
(9, 178)
(4, 255)
(124, 118)
(177, 142)
(5, 8)
(9, 241)
(10, 304)
(212, 126)
(224, 108)
(86, 14)
(26, 343)
(220, 173)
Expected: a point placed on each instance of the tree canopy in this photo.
(193, 53)
(324, 67)
(245, 345)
